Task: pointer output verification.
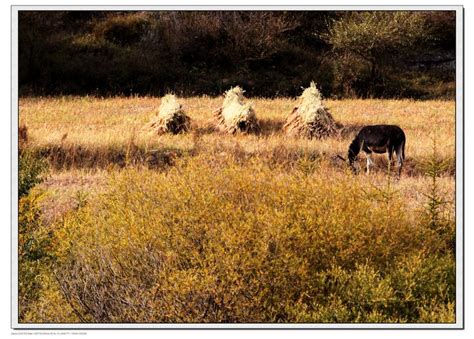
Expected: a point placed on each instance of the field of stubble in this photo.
(207, 227)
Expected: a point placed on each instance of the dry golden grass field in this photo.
(210, 227)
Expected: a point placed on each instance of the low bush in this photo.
(33, 251)
(123, 30)
(210, 240)
(31, 171)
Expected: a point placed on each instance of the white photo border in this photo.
(459, 185)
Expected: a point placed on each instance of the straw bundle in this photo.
(310, 118)
(171, 117)
(235, 115)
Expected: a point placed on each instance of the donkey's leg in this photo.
(389, 157)
(390, 150)
(369, 162)
(399, 160)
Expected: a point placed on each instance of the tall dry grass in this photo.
(75, 132)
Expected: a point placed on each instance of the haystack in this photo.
(171, 117)
(310, 118)
(235, 115)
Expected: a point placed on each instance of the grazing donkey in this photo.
(378, 139)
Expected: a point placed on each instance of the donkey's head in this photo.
(354, 149)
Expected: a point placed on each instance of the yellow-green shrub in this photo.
(214, 241)
(33, 251)
(31, 171)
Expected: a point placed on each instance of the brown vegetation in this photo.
(365, 54)
(22, 136)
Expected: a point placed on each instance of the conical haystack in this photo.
(171, 117)
(235, 115)
(310, 119)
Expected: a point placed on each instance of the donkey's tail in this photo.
(403, 149)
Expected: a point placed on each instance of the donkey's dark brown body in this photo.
(379, 139)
